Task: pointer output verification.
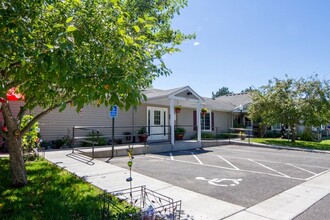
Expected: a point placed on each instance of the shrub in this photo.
(208, 135)
(30, 140)
(272, 134)
(306, 135)
(225, 136)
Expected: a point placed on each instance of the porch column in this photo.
(172, 115)
(198, 121)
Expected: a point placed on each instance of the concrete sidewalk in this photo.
(285, 205)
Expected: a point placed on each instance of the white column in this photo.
(198, 121)
(172, 116)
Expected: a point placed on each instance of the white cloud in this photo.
(196, 43)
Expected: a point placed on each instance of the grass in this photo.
(323, 145)
(51, 193)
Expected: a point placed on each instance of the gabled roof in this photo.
(226, 103)
(184, 92)
(236, 99)
(218, 105)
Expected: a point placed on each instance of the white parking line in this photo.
(226, 168)
(228, 162)
(316, 175)
(199, 161)
(300, 168)
(268, 168)
(171, 155)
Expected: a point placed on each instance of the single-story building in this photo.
(157, 115)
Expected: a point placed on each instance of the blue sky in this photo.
(243, 43)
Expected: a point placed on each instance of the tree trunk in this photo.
(17, 166)
(13, 138)
(293, 133)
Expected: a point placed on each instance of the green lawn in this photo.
(51, 193)
(323, 145)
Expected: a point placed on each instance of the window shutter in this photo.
(212, 120)
(195, 120)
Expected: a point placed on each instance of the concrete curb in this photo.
(289, 148)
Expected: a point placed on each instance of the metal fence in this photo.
(139, 203)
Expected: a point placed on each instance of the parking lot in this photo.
(242, 175)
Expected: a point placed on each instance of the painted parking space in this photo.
(242, 176)
(244, 164)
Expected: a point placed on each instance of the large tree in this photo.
(80, 52)
(221, 92)
(292, 102)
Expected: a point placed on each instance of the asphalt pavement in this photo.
(232, 182)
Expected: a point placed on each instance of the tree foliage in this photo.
(304, 101)
(82, 52)
(221, 92)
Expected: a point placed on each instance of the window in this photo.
(207, 122)
(156, 117)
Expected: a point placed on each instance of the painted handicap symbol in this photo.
(221, 182)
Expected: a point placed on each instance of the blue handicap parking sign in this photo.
(113, 112)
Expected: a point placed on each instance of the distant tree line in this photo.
(225, 91)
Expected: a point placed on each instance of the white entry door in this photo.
(157, 123)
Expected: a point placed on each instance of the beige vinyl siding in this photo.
(57, 124)
(185, 119)
(222, 121)
(141, 116)
(14, 107)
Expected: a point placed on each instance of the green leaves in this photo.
(57, 50)
(49, 46)
(58, 25)
(292, 101)
(136, 28)
(71, 28)
(69, 19)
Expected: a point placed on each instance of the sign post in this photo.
(113, 114)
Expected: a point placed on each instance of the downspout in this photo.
(198, 122)
(172, 115)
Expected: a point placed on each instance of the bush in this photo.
(30, 140)
(272, 134)
(226, 136)
(208, 135)
(306, 136)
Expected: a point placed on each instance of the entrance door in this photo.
(157, 123)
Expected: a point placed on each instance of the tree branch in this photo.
(12, 65)
(39, 116)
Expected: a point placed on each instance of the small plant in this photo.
(177, 108)
(179, 133)
(143, 130)
(143, 135)
(204, 110)
(242, 135)
(180, 130)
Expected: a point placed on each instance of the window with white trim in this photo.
(206, 122)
